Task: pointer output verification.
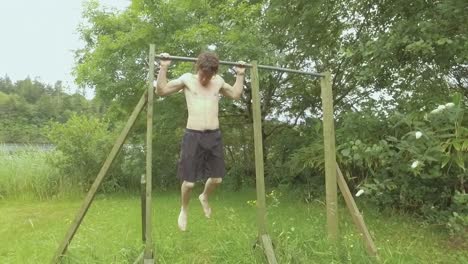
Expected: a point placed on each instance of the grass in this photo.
(111, 232)
(26, 174)
(35, 212)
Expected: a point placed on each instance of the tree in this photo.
(370, 47)
(6, 85)
(26, 106)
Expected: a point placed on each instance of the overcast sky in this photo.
(38, 38)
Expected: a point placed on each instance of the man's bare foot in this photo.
(182, 221)
(205, 205)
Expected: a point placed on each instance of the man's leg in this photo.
(210, 185)
(185, 190)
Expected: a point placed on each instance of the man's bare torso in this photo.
(202, 102)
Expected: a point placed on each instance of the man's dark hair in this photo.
(207, 66)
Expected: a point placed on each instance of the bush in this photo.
(458, 218)
(413, 162)
(295, 161)
(423, 171)
(82, 145)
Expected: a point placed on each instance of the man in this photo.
(202, 148)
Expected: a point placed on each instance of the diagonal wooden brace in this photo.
(101, 175)
(355, 214)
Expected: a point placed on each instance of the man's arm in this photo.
(235, 91)
(163, 87)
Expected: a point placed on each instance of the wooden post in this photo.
(149, 256)
(102, 173)
(355, 214)
(143, 207)
(259, 167)
(330, 157)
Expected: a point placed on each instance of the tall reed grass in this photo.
(26, 174)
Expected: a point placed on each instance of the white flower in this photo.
(439, 109)
(359, 193)
(415, 164)
(212, 47)
(449, 105)
(418, 134)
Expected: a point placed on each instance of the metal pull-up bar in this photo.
(247, 65)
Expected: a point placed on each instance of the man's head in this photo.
(207, 66)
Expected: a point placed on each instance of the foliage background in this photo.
(393, 64)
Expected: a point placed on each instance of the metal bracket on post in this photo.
(143, 208)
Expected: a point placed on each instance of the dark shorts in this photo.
(201, 155)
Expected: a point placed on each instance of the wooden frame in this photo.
(333, 173)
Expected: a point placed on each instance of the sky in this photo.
(39, 37)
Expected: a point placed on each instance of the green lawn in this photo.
(111, 232)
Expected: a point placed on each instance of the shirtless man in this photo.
(202, 148)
